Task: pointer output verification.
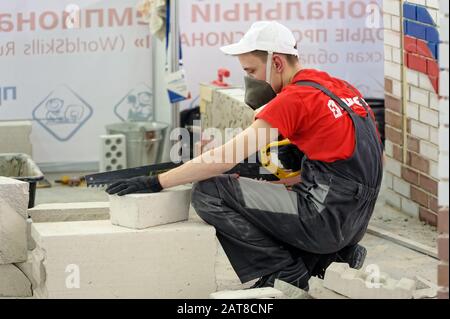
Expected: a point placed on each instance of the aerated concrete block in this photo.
(18, 133)
(69, 212)
(13, 283)
(30, 241)
(37, 260)
(13, 235)
(318, 291)
(96, 259)
(140, 211)
(357, 284)
(16, 194)
(28, 268)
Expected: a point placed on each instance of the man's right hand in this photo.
(291, 157)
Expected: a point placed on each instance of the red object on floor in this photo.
(221, 74)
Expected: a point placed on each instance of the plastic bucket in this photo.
(21, 167)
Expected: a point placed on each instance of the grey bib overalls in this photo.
(264, 227)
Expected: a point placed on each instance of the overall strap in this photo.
(361, 100)
(333, 96)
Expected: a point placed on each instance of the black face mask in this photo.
(258, 93)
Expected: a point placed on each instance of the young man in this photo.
(267, 230)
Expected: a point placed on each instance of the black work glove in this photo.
(291, 157)
(142, 184)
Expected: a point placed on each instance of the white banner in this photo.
(343, 38)
(72, 67)
(75, 66)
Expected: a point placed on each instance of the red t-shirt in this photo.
(313, 121)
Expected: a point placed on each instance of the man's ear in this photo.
(278, 63)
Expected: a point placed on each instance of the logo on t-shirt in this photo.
(337, 110)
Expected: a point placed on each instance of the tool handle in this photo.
(265, 155)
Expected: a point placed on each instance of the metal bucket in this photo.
(145, 141)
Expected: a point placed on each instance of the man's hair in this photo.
(292, 59)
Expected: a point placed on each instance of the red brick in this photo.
(429, 184)
(443, 220)
(393, 104)
(418, 162)
(413, 144)
(410, 44)
(393, 135)
(410, 176)
(388, 85)
(394, 119)
(432, 69)
(419, 196)
(398, 153)
(443, 247)
(443, 294)
(443, 275)
(417, 63)
(433, 204)
(435, 83)
(428, 216)
(423, 49)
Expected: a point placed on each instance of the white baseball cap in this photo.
(269, 36)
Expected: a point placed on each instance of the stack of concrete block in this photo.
(95, 259)
(357, 284)
(64, 212)
(33, 267)
(224, 108)
(13, 237)
(18, 140)
(69, 212)
(140, 211)
(152, 252)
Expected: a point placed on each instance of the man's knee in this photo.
(205, 197)
(206, 188)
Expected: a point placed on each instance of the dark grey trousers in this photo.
(257, 224)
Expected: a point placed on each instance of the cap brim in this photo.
(236, 49)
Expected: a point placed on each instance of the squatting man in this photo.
(295, 229)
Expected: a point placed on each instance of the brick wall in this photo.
(443, 157)
(443, 107)
(412, 106)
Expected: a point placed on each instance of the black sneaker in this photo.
(295, 274)
(353, 255)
